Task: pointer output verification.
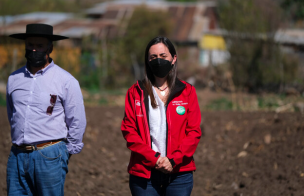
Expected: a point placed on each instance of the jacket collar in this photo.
(179, 86)
(140, 84)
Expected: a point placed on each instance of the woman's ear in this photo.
(174, 59)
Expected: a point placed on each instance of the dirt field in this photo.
(248, 154)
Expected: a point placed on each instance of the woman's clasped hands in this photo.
(163, 164)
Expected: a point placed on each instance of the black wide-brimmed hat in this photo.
(38, 30)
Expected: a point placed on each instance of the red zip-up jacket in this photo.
(183, 130)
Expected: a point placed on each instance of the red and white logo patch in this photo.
(138, 110)
(137, 103)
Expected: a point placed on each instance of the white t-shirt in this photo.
(158, 126)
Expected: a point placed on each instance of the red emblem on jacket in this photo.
(138, 109)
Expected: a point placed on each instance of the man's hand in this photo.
(163, 164)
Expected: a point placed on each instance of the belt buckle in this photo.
(31, 147)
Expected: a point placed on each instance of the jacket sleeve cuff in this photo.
(172, 162)
(155, 158)
(176, 159)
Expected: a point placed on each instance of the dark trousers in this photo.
(160, 184)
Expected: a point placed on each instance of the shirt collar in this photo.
(42, 71)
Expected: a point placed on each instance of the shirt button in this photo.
(34, 78)
(31, 92)
(28, 106)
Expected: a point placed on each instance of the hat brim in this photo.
(23, 36)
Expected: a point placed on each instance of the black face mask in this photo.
(160, 67)
(35, 58)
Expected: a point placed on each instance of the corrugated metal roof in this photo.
(51, 18)
(199, 24)
(76, 32)
(102, 7)
(282, 36)
(189, 19)
(18, 23)
(290, 36)
(184, 24)
(73, 28)
(6, 19)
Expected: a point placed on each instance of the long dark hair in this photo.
(149, 79)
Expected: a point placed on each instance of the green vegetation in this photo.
(294, 8)
(144, 25)
(220, 104)
(2, 100)
(266, 102)
(107, 97)
(8, 7)
(242, 16)
(88, 76)
(121, 60)
(256, 62)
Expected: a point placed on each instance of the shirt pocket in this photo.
(45, 102)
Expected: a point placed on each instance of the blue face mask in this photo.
(160, 67)
(35, 58)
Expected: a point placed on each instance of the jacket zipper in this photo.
(167, 132)
(168, 120)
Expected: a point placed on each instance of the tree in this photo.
(144, 25)
(256, 60)
(8, 7)
(295, 8)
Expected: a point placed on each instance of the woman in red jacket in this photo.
(161, 125)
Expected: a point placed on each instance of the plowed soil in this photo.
(248, 154)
